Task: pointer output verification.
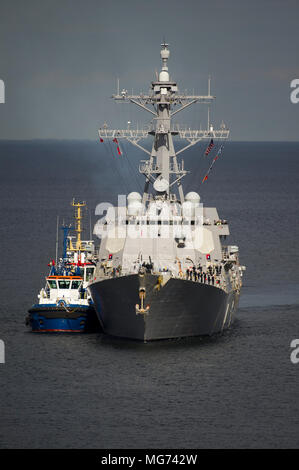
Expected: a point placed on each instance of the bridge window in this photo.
(52, 284)
(76, 284)
(89, 273)
(63, 284)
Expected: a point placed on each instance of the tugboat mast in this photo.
(162, 169)
(78, 218)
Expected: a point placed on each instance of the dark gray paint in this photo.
(181, 308)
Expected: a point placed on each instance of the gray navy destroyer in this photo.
(164, 270)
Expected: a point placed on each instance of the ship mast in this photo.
(78, 218)
(162, 169)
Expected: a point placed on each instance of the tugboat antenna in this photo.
(57, 226)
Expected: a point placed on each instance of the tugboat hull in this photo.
(52, 319)
(179, 309)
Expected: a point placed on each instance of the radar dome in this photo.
(135, 207)
(163, 76)
(134, 197)
(192, 197)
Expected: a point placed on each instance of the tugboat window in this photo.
(52, 284)
(64, 284)
(89, 273)
(76, 284)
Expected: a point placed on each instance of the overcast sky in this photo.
(60, 59)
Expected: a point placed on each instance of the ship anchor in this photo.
(140, 308)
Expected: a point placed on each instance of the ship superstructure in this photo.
(163, 269)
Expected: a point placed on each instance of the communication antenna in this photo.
(209, 94)
(57, 231)
(90, 237)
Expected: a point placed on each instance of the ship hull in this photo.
(178, 309)
(52, 319)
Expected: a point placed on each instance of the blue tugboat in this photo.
(64, 304)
